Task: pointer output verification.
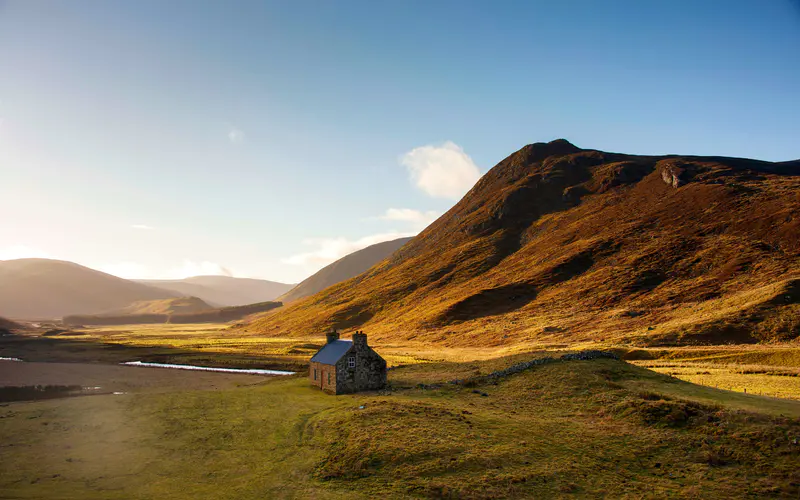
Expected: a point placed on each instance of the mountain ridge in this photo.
(176, 305)
(345, 268)
(224, 291)
(557, 242)
(48, 288)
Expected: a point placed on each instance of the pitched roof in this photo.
(332, 352)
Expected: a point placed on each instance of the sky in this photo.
(153, 139)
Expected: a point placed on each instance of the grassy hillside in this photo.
(224, 290)
(343, 269)
(197, 315)
(599, 428)
(560, 244)
(47, 289)
(177, 305)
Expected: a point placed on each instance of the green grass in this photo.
(589, 428)
(228, 444)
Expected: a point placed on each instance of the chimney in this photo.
(332, 335)
(359, 340)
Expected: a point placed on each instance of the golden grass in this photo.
(759, 369)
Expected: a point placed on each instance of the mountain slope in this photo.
(175, 315)
(177, 305)
(345, 268)
(8, 325)
(558, 243)
(223, 290)
(43, 288)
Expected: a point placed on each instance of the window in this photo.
(329, 378)
(315, 374)
(351, 362)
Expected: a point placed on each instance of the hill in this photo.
(189, 314)
(557, 243)
(343, 269)
(45, 289)
(7, 325)
(165, 306)
(223, 290)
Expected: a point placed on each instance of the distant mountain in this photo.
(217, 315)
(8, 325)
(48, 289)
(343, 269)
(178, 305)
(223, 290)
(561, 244)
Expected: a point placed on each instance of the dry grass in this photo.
(759, 369)
(765, 380)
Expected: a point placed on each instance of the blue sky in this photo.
(265, 139)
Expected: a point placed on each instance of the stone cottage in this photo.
(345, 366)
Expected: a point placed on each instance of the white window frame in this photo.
(351, 362)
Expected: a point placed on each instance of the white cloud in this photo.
(23, 252)
(144, 227)
(235, 135)
(444, 171)
(332, 249)
(417, 218)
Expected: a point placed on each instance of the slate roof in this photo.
(332, 352)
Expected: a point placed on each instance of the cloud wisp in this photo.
(143, 227)
(235, 135)
(444, 171)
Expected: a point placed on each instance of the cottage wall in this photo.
(320, 374)
(368, 374)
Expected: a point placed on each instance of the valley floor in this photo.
(585, 428)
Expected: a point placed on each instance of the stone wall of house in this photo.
(369, 372)
(323, 376)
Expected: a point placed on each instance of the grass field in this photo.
(590, 428)
(583, 428)
(763, 370)
(772, 370)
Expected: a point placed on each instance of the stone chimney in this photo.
(332, 335)
(359, 340)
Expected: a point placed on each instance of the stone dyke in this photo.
(526, 365)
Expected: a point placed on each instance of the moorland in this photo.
(682, 271)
